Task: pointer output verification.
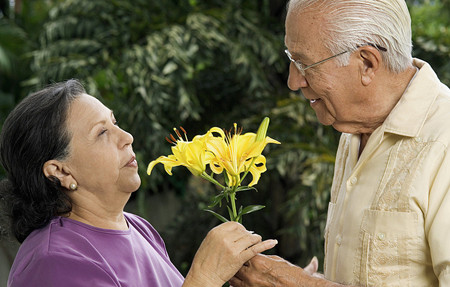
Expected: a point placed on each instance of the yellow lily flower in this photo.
(232, 152)
(191, 154)
(237, 153)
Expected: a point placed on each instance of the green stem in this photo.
(246, 172)
(233, 204)
(211, 179)
(233, 199)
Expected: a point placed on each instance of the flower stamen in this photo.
(174, 140)
(184, 132)
(178, 133)
(169, 140)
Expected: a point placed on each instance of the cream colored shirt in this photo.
(389, 217)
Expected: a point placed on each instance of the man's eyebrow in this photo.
(297, 55)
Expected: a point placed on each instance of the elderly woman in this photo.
(71, 170)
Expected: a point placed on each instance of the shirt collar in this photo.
(409, 115)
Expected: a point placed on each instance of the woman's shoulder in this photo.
(140, 224)
(60, 269)
(144, 228)
(59, 237)
(51, 248)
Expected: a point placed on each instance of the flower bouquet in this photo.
(228, 153)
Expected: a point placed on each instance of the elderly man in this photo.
(389, 217)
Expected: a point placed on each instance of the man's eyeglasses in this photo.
(302, 68)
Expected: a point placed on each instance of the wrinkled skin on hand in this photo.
(265, 271)
(222, 253)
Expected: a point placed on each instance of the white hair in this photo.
(353, 23)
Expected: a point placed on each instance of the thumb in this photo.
(313, 266)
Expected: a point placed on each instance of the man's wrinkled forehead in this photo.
(298, 38)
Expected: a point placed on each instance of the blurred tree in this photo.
(431, 34)
(18, 33)
(18, 37)
(13, 43)
(4, 8)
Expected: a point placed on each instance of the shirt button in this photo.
(353, 180)
(381, 236)
(418, 139)
(339, 239)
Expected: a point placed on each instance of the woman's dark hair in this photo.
(33, 133)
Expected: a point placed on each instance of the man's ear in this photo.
(371, 61)
(55, 168)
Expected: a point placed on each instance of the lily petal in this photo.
(168, 163)
(257, 168)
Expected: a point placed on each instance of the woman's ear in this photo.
(371, 60)
(55, 168)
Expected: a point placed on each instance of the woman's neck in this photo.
(105, 220)
(92, 211)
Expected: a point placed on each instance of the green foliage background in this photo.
(162, 64)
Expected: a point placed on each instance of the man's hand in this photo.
(265, 271)
(312, 268)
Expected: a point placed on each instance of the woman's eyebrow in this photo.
(102, 122)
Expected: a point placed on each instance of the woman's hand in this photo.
(222, 253)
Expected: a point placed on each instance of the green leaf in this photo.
(250, 209)
(220, 217)
(230, 213)
(239, 216)
(218, 199)
(244, 188)
(226, 179)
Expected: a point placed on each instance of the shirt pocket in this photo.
(386, 239)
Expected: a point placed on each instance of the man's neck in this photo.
(395, 91)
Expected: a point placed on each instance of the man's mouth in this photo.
(312, 101)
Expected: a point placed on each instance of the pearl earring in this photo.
(73, 186)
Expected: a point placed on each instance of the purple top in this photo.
(70, 253)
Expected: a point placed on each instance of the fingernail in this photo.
(273, 242)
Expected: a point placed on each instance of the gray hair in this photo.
(352, 23)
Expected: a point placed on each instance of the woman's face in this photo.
(101, 158)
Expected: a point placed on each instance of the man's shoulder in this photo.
(436, 126)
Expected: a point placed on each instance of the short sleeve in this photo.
(57, 270)
(437, 221)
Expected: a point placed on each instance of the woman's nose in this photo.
(125, 138)
(296, 80)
